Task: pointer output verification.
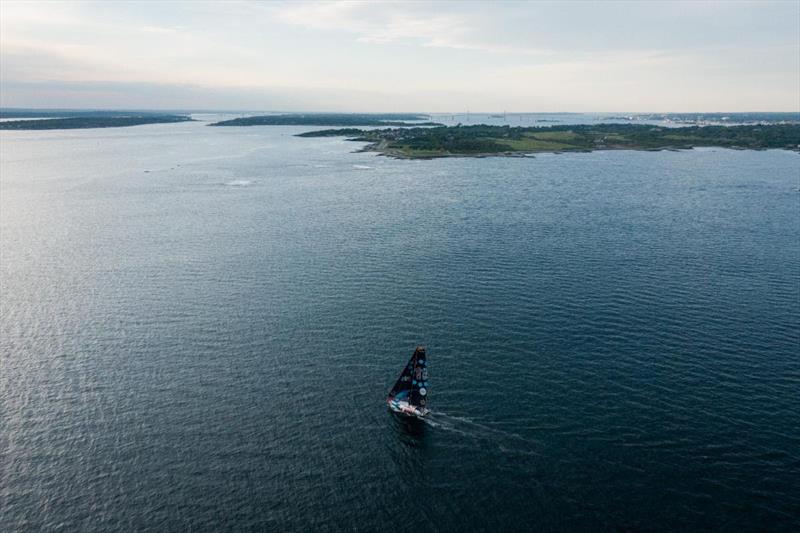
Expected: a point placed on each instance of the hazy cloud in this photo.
(446, 56)
(395, 22)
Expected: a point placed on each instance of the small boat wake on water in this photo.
(409, 396)
(409, 400)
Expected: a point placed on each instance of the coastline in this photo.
(394, 153)
(504, 141)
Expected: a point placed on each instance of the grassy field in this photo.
(534, 144)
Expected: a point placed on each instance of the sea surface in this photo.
(199, 326)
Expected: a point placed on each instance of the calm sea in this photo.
(198, 327)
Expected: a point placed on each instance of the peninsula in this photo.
(331, 119)
(483, 140)
(90, 121)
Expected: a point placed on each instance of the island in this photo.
(331, 119)
(484, 140)
(91, 121)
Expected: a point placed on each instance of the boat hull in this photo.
(405, 408)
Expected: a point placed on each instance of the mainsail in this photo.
(412, 385)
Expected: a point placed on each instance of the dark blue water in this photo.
(199, 325)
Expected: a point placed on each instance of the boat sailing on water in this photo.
(409, 396)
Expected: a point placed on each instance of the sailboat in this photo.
(409, 396)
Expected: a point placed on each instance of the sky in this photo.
(443, 56)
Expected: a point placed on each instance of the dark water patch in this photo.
(613, 337)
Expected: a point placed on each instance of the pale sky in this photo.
(409, 56)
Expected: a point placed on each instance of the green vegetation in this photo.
(343, 132)
(329, 119)
(482, 140)
(84, 122)
(19, 112)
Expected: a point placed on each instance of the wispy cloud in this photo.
(161, 29)
(411, 55)
(395, 23)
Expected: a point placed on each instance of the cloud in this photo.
(160, 29)
(406, 56)
(183, 96)
(395, 23)
(37, 61)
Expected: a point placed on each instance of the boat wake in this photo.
(506, 441)
(409, 397)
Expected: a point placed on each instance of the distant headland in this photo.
(331, 119)
(82, 119)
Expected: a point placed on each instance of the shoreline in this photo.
(399, 154)
(86, 123)
(503, 141)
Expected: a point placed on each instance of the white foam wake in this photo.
(472, 429)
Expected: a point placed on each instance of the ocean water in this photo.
(198, 328)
